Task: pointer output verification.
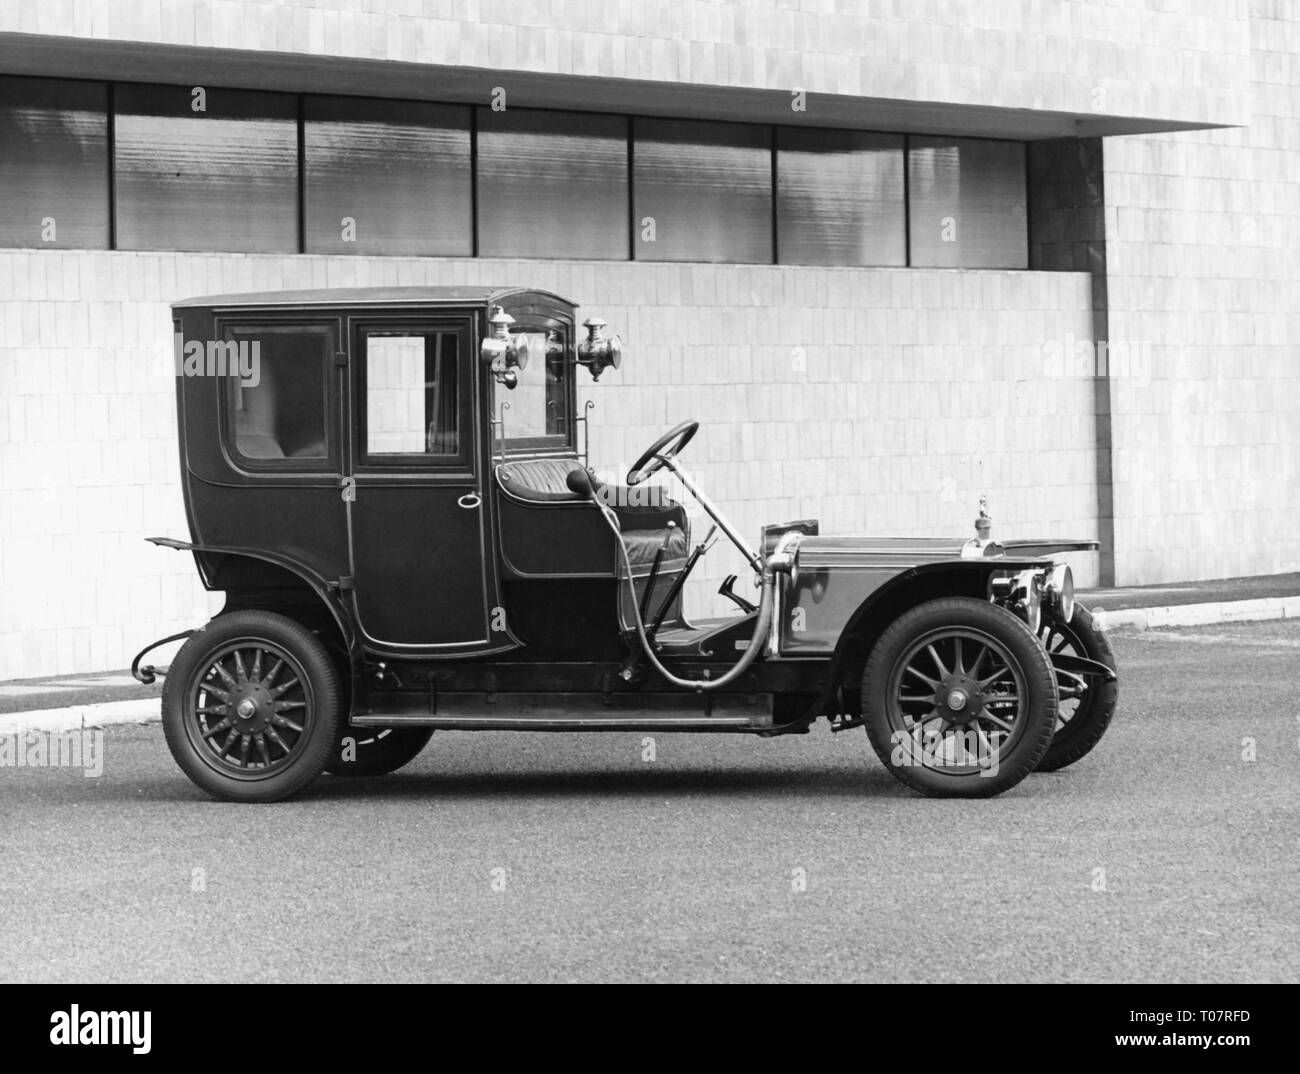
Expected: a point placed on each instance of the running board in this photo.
(570, 712)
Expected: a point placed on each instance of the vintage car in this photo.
(390, 487)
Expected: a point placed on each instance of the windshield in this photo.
(537, 414)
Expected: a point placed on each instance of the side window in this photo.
(412, 402)
(279, 399)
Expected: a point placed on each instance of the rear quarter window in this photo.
(278, 399)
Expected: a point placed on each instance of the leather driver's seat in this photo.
(643, 512)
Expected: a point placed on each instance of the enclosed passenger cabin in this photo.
(393, 463)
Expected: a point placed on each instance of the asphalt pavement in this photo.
(1172, 853)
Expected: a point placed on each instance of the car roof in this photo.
(368, 296)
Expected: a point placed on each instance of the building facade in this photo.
(893, 256)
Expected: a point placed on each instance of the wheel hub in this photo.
(960, 698)
(250, 707)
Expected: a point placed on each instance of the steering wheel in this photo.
(652, 459)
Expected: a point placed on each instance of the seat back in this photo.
(539, 480)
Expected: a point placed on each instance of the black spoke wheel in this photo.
(959, 699)
(251, 707)
(375, 751)
(1087, 702)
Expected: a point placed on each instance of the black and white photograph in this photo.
(616, 491)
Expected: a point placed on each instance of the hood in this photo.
(902, 552)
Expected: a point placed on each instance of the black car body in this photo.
(390, 487)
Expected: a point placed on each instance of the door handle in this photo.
(469, 501)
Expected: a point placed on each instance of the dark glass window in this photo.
(221, 179)
(703, 191)
(552, 184)
(411, 399)
(387, 177)
(53, 163)
(840, 198)
(280, 397)
(967, 203)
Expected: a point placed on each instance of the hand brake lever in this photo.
(654, 569)
(680, 580)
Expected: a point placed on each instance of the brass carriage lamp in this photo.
(503, 352)
(597, 352)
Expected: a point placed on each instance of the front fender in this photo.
(827, 603)
(863, 621)
(1081, 665)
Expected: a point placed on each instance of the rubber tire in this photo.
(309, 651)
(1091, 719)
(1040, 685)
(379, 750)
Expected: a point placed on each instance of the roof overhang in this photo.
(131, 61)
(371, 296)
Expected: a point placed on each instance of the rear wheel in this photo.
(376, 751)
(1087, 702)
(251, 707)
(959, 699)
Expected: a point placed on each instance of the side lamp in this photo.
(504, 353)
(598, 352)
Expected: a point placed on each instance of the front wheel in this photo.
(959, 699)
(251, 707)
(1087, 701)
(376, 751)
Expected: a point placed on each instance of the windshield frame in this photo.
(564, 441)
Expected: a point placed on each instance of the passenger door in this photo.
(417, 514)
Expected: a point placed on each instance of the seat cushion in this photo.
(644, 545)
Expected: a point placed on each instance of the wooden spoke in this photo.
(985, 714)
(275, 670)
(284, 721)
(932, 683)
(934, 655)
(224, 725)
(985, 683)
(274, 736)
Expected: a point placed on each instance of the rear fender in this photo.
(274, 576)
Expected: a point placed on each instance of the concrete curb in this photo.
(103, 714)
(1176, 615)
